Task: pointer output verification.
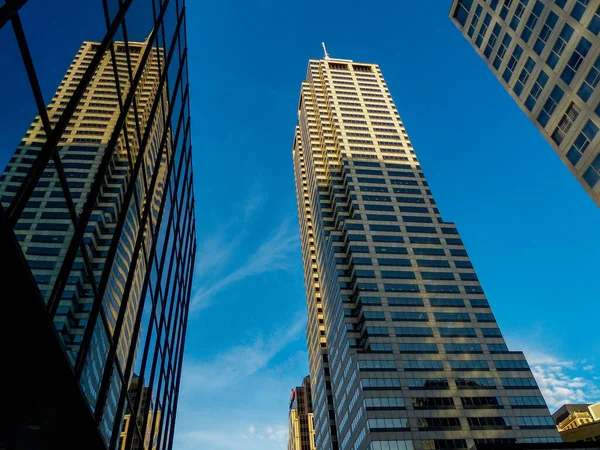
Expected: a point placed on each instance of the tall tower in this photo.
(107, 230)
(546, 54)
(404, 351)
(302, 432)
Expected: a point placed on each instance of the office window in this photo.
(516, 18)
(462, 11)
(384, 403)
(498, 348)
(427, 383)
(482, 30)
(582, 142)
(458, 332)
(592, 174)
(532, 20)
(371, 365)
(536, 90)
(575, 60)
(502, 51)
(438, 422)
(511, 364)
(463, 348)
(392, 301)
(417, 347)
(422, 364)
(380, 383)
(518, 383)
(579, 9)
(469, 365)
(559, 46)
(594, 25)
(527, 402)
(387, 424)
(432, 402)
(506, 4)
(413, 331)
(492, 40)
(536, 422)
(410, 316)
(524, 76)
(435, 444)
(548, 109)
(488, 422)
(545, 32)
(481, 402)
(475, 383)
(447, 302)
(512, 63)
(475, 20)
(452, 317)
(591, 81)
(565, 123)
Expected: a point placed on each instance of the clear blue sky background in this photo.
(530, 229)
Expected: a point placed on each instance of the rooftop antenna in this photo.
(325, 50)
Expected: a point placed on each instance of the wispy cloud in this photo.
(561, 380)
(239, 362)
(274, 254)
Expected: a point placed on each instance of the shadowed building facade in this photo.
(302, 432)
(546, 54)
(97, 210)
(404, 350)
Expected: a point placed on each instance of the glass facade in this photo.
(553, 71)
(99, 196)
(404, 350)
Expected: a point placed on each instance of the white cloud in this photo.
(239, 362)
(274, 254)
(561, 380)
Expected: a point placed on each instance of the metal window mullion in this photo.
(180, 362)
(26, 189)
(88, 208)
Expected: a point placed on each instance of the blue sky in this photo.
(529, 227)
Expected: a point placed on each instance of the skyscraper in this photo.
(302, 432)
(404, 351)
(99, 198)
(546, 54)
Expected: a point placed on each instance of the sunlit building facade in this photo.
(99, 198)
(546, 54)
(301, 434)
(404, 350)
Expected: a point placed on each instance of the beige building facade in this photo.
(546, 54)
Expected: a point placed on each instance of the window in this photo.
(482, 30)
(401, 287)
(475, 383)
(441, 289)
(592, 174)
(452, 317)
(393, 262)
(413, 331)
(492, 40)
(398, 275)
(582, 142)
(498, 348)
(391, 250)
(405, 301)
(427, 383)
(545, 32)
(438, 422)
(536, 422)
(475, 20)
(519, 383)
(527, 402)
(491, 332)
(516, 18)
(488, 422)
(481, 402)
(548, 109)
(380, 383)
(458, 332)
(524, 76)
(432, 402)
(433, 263)
(565, 123)
(591, 81)
(376, 331)
(377, 365)
(463, 348)
(391, 445)
(559, 46)
(536, 90)
(409, 316)
(434, 444)
(532, 20)
(485, 317)
(575, 60)
(417, 347)
(429, 251)
(469, 365)
(462, 11)
(447, 302)
(384, 403)
(374, 315)
(594, 25)
(511, 364)
(421, 364)
(387, 424)
(512, 63)
(479, 303)
(579, 9)
(506, 4)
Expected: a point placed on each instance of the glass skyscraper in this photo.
(99, 198)
(404, 350)
(546, 54)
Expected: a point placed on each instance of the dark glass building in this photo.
(98, 237)
(404, 350)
